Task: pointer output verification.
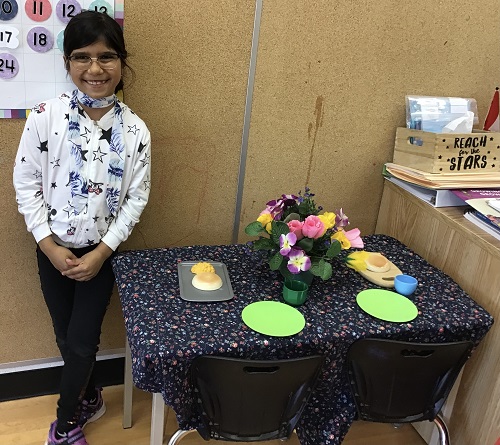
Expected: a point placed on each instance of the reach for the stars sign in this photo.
(31, 42)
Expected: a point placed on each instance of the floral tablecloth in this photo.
(165, 332)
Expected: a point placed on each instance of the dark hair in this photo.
(89, 27)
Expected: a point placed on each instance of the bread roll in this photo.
(207, 281)
(376, 262)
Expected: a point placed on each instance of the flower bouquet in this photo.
(300, 236)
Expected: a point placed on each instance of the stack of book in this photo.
(443, 181)
(480, 192)
(485, 211)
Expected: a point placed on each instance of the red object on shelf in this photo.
(492, 121)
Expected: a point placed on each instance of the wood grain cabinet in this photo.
(472, 258)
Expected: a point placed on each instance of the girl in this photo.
(82, 180)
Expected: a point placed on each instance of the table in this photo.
(165, 332)
(472, 258)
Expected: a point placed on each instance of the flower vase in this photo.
(305, 276)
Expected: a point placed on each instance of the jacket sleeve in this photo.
(27, 177)
(136, 197)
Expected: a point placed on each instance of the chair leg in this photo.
(178, 435)
(444, 435)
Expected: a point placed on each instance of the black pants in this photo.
(77, 310)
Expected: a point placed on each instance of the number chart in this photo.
(31, 49)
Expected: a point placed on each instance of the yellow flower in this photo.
(357, 260)
(265, 219)
(328, 219)
(342, 239)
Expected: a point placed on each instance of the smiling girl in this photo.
(82, 180)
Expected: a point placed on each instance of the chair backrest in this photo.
(252, 400)
(398, 382)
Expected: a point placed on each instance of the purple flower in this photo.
(286, 242)
(298, 261)
(341, 219)
(277, 206)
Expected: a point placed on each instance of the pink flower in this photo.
(354, 238)
(295, 226)
(313, 227)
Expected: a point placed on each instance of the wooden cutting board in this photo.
(382, 279)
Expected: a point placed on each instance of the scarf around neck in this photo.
(78, 182)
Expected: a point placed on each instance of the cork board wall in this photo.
(329, 93)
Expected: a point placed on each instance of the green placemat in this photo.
(387, 305)
(273, 318)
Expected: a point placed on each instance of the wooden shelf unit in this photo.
(472, 258)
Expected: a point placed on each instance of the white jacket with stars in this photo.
(41, 176)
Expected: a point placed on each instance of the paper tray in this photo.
(190, 293)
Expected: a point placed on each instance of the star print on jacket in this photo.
(54, 211)
(106, 135)
(70, 209)
(98, 154)
(145, 161)
(86, 134)
(43, 147)
(133, 129)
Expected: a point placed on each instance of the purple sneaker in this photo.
(74, 437)
(90, 412)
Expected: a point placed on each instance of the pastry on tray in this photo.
(207, 281)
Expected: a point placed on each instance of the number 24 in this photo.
(10, 66)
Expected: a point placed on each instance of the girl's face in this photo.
(94, 80)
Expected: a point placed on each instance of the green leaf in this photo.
(263, 244)
(325, 269)
(275, 261)
(315, 269)
(292, 217)
(306, 244)
(254, 228)
(334, 249)
(278, 228)
(308, 207)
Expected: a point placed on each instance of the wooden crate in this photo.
(448, 152)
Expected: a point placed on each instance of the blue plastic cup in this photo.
(405, 284)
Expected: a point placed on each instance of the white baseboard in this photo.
(52, 362)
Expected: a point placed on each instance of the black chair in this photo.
(402, 382)
(250, 400)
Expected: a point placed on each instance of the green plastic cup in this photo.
(295, 292)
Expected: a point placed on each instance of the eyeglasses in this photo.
(105, 61)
